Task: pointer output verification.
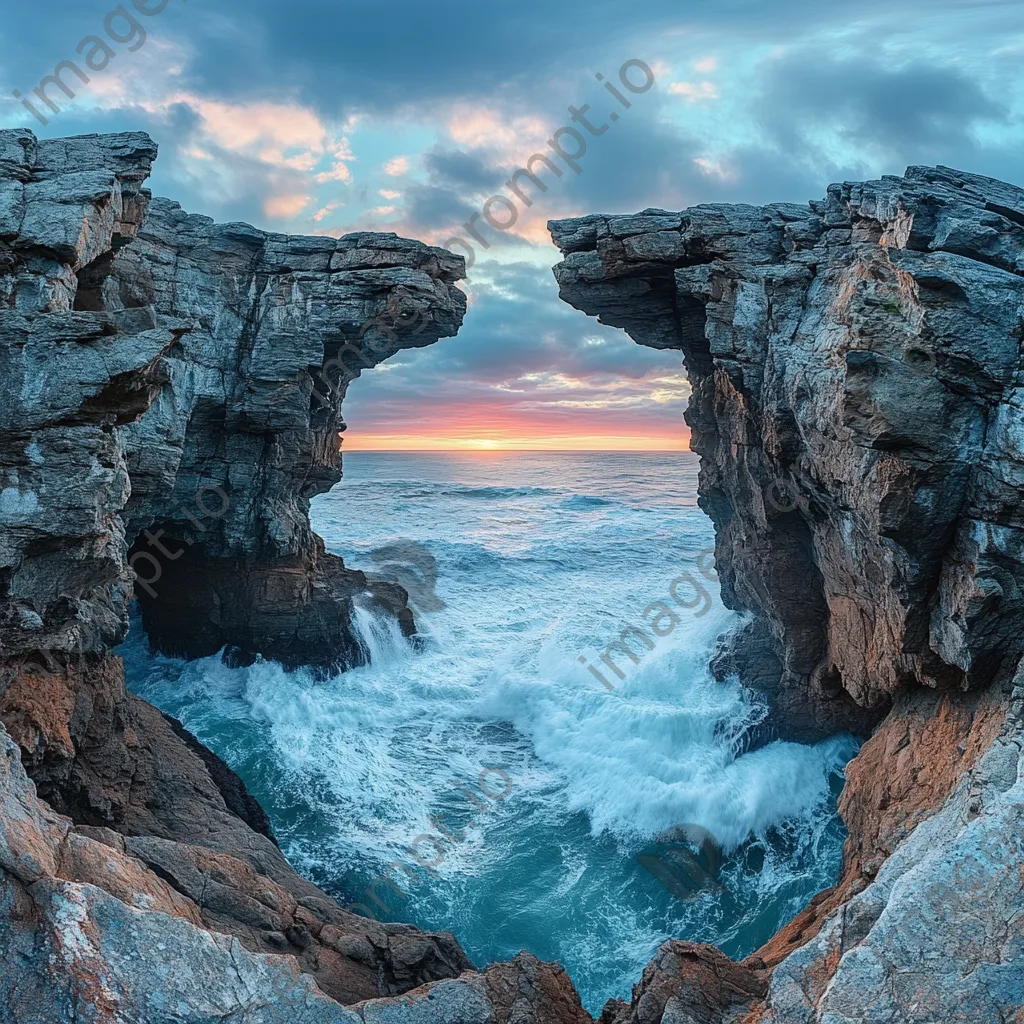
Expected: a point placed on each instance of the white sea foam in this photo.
(533, 577)
(379, 635)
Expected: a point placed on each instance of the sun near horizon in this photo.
(488, 442)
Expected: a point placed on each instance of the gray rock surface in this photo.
(856, 371)
(238, 429)
(71, 378)
(857, 382)
(144, 344)
(939, 934)
(83, 357)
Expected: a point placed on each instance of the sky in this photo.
(315, 117)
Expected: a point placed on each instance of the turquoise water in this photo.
(507, 785)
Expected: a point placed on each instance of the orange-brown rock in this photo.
(908, 768)
(903, 774)
(351, 958)
(85, 859)
(104, 757)
(522, 991)
(688, 981)
(527, 990)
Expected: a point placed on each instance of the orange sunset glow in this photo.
(490, 441)
(485, 428)
(534, 412)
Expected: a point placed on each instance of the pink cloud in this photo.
(397, 167)
(483, 126)
(286, 205)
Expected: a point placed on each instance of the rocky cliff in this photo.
(172, 392)
(141, 385)
(857, 373)
(188, 358)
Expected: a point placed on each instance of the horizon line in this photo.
(498, 451)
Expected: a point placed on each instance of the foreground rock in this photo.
(690, 983)
(96, 928)
(938, 934)
(89, 933)
(929, 929)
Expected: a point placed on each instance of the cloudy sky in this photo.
(403, 115)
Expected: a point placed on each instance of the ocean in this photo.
(507, 774)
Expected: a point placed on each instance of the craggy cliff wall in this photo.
(239, 425)
(857, 405)
(184, 355)
(857, 383)
(145, 354)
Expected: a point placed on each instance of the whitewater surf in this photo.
(541, 561)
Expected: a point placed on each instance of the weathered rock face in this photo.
(88, 464)
(937, 934)
(189, 361)
(246, 430)
(88, 929)
(72, 379)
(690, 983)
(856, 371)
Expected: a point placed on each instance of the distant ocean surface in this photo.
(542, 559)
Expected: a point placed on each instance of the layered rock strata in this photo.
(857, 380)
(186, 357)
(246, 429)
(106, 397)
(856, 375)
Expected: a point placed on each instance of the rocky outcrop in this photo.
(856, 376)
(95, 927)
(156, 825)
(937, 934)
(72, 380)
(856, 370)
(688, 983)
(186, 357)
(246, 429)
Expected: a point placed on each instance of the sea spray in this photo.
(379, 635)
